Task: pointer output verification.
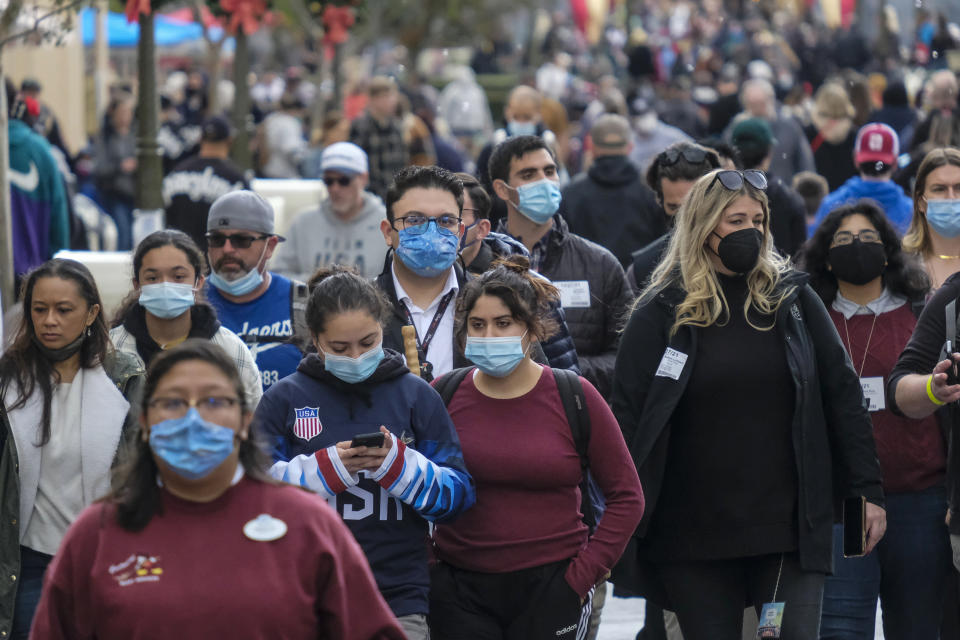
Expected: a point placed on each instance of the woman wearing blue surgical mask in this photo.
(406, 470)
(523, 563)
(197, 541)
(934, 233)
(165, 307)
(64, 411)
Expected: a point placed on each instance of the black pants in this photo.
(709, 596)
(529, 604)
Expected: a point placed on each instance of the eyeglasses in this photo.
(865, 235)
(693, 155)
(417, 223)
(178, 407)
(733, 180)
(343, 181)
(237, 240)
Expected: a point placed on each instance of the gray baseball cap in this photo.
(243, 209)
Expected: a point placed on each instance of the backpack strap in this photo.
(578, 417)
(951, 337)
(447, 384)
(299, 295)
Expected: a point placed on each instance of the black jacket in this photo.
(392, 335)
(788, 222)
(611, 205)
(644, 261)
(595, 329)
(832, 433)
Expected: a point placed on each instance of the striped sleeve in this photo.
(436, 492)
(322, 472)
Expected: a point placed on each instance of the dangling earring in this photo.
(88, 332)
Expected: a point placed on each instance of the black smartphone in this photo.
(854, 527)
(374, 439)
(953, 376)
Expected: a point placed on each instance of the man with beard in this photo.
(265, 309)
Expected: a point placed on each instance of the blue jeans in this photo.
(121, 210)
(907, 571)
(32, 566)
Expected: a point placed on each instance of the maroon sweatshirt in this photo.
(912, 453)
(521, 454)
(193, 573)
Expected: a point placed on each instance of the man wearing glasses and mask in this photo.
(265, 309)
(344, 229)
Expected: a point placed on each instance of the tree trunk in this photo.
(241, 103)
(149, 166)
(6, 231)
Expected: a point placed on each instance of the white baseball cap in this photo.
(344, 157)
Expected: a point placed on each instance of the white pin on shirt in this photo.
(671, 365)
(265, 528)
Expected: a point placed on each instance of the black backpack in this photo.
(578, 417)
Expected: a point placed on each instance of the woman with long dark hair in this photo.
(166, 307)
(65, 411)
(734, 395)
(872, 290)
(197, 541)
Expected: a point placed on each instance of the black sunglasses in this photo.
(733, 180)
(237, 240)
(693, 155)
(343, 181)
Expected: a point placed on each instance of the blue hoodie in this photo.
(423, 477)
(888, 194)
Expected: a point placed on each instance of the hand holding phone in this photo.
(374, 439)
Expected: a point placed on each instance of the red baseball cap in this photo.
(876, 142)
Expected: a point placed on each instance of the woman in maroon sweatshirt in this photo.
(872, 290)
(197, 541)
(521, 564)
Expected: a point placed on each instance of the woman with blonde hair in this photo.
(734, 395)
(934, 233)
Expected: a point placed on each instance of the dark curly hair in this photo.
(527, 295)
(902, 275)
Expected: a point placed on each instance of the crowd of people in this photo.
(686, 323)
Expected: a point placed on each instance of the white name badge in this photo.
(574, 294)
(873, 392)
(671, 364)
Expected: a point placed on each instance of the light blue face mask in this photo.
(354, 370)
(944, 217)
(496, 357)
(191, 446)
(539, 200)
(239, 287)
(430, 253)
(515, 128)
(167, 299)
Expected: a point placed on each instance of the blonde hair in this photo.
(687, 263)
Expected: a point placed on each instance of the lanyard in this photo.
(424, 344)
(866, 349)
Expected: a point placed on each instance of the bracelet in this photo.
(934, 399)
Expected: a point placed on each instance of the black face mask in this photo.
(740, 250)
(858, 262)
(61, 354)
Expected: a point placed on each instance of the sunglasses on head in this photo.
(733, 180)
(237, 240)
(343, 181)
(693, 155)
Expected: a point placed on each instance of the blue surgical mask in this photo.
(167, 299)
(463, 239)
(354, 370)
(428, 254)
(496, 357)
(539, 200)
(191, 446)
(242, 285)
(515, 128)
(944, 217)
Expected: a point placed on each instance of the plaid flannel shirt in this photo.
(386, 151)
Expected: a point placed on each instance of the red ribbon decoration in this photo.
(135, 8)
(246, 14)
(336, 22)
